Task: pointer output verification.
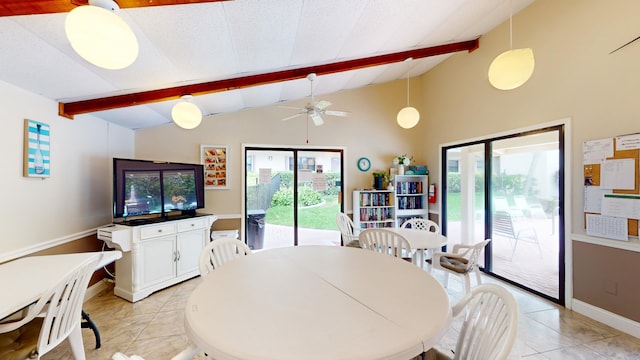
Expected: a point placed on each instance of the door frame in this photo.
(565, 269)
(245, 147)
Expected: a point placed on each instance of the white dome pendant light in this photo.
(408, 116)
(100, 36)
(514, 67)
(186, 114)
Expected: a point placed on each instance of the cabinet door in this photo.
(189, 245)
(157, 260)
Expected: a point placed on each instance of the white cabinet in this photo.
(411, 197)
(373, 209)
(162, 254)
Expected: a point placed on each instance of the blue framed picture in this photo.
(37, 149)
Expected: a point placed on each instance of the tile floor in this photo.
(153, 328)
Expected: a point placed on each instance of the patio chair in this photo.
(220, 251)
(533, 211)
(347, 231)
(461, 261)
(52, 319)
(516, 227)
(386, 242)
(489, 328)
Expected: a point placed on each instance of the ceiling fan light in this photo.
(101, 37)
(511, 69)
(186, 114)
(408, 117)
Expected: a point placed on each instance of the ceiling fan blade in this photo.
(317, 119)
(293, 116)
(336, 113)
(322, 104)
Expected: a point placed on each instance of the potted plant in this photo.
(401, 161)
(379, 179)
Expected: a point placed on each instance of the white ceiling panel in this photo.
(195, 43)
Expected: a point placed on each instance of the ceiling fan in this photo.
(315, 109)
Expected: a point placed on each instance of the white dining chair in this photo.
(220, 251)
(425, 225)
(347, 231)
(55, 317)
(489, 328)
(215, 254)
(461, 261)
(386, 242)
(422, 224)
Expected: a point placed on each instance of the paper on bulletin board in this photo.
(628, 142)
(593, 198)
(607, 226)
(621, 205)
(619, 174)
(595, 151)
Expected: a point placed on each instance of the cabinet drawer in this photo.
(191, 224)
(157, 230)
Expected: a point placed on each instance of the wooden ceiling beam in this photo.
(173, 93)
(34, 7)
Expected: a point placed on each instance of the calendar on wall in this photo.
(214, 159)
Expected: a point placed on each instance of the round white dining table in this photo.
(421, 240)
(317, 302)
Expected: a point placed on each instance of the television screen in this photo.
(144, 187)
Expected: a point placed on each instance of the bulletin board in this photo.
(611, 173)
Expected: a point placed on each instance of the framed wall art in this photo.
(37, 159)
(214, 158)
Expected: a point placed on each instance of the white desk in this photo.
(421, 240)
(25, 280)
(317, 302)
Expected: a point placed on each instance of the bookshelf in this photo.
(411, 197)
(374, 209)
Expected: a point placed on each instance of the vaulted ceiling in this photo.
(238, 54)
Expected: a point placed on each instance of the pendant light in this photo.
(408, 116)
(514, 67)
(100, 36)
(186, 114)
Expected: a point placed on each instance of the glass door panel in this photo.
(292, 197)
(318, 188)
(465, 194)
(524, 195)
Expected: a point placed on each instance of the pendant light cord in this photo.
(510, 24)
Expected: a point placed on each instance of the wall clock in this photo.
(364, 164)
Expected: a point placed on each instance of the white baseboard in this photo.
(606, 317)
(95, 289)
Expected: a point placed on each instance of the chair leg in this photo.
(478, 278)
(88, 323)
(187, 353)
(446, 279)
(467, 283)
(75, 341)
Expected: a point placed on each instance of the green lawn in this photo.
(454, 208)
(315, 217)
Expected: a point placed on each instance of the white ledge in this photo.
(632, 245)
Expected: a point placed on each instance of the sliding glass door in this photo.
(509, 189)
(292, 196)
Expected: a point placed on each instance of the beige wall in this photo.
(40, 213)
(370, 131)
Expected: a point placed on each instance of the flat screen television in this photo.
(145, 187)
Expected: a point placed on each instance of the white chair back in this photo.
(220, 251)
(422, 224)
(386, 242)
(490, 323)
(346, 227)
